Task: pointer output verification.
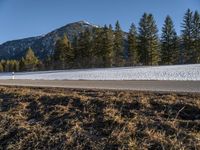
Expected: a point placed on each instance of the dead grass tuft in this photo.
(53, 118)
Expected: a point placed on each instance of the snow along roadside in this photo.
(176, 72)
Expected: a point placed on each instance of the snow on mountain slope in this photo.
(176, 72)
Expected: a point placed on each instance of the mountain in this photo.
(42, 45)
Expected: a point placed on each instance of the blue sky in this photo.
(26, 18)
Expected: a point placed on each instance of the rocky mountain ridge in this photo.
(42, 45)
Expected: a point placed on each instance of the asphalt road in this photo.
(175, 86)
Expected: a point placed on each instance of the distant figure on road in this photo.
(13, 75)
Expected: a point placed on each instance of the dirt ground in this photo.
(58, 118)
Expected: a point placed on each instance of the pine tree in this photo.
(88, 53)
(30, 61)
(97, 47)
(15, 65)
(132, 46)
(48, 63)
(69, 56)
(196, 36)
(80, 51)
(188, 53)
(11, 65)
(22, 64)
(107, 47)
(110, 27)
(148, 41)
(84, 52)
(110, 46)
(1, 67)
(169, 43)
(63, 53)
(76, 52)
(7, 66)
(3, 62)
(119, 59)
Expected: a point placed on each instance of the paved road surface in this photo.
(177, 86)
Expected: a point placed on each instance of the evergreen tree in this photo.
(110, 27)
(22, 64)
(59, 54)
(88, 53)
(169, 43)
(30, 61)
(107, 47)
(80, 55)
(3, 62)
(11, 65)
(48, 63)
(15, 65)
(118, 46)
(7, 66)
(188, 52)
(1, 67)
(75, 48)
(196, 36)
(69, 56)
(132, 46)
(84, 52)
(148, 40)
(63, 54)
(98, 47)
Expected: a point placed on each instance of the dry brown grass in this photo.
(50, 118)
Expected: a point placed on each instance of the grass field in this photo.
(53, 118)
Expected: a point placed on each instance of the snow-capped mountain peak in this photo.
(84, 22)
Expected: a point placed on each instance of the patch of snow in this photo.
(176, 72)
(87, 23)
(95, 26)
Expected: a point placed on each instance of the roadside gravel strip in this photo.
(165, 86)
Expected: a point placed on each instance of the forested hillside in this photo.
(83, 45)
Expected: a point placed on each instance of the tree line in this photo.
(27, 63)
(108, 47)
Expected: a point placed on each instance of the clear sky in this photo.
(26, 18)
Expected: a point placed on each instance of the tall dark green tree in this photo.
(107, 47)
(169, 43)
(59, 53)
(110, 27)
(132, 46)
(148, 40)
(98, 35)
(48, 63)
(196, 36)
(187, 39)
(75, 45)
(83, 51)
(119, 58)
(7, 66)
(69, 56)
(63, 55)
(21, 64)
(1, 67)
